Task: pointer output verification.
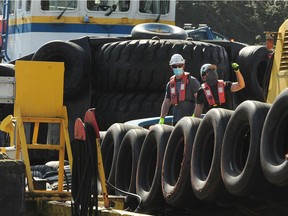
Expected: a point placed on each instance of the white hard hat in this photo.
(205, 67)
(176, 59)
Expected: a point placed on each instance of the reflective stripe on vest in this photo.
(209, 95)
(184, 81)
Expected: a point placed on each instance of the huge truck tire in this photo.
(176, 183)
(121, 107)
(273, 148)
(143, 65)
(77, 64)
(253, 62)
(110, 147)
(163, 31)
(126, 166)
(240, 157)
(206, 177)
(149, 168)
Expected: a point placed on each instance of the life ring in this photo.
(149, 168)
(163, 31)
(206, 177)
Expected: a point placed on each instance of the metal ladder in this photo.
(4, 38)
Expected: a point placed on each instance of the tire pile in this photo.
(229, 162)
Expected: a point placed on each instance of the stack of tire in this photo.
(131, 76)
(231, 160)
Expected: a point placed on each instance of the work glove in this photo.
(235, 66)
(161, 121)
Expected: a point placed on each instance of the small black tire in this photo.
(253, 61)
(206, 177)
(240, 157)
(163, 31)
(126, 166)
(110, 147)
(149, 168)
(175, 181)
(7, 70)
(273, 148)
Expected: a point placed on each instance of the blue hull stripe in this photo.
(70, 28)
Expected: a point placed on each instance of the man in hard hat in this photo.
(213, 92)
(270, 42)
(181, 91)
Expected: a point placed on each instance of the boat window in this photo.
(104, 5)
(28, 5)
(19, 4)
(154, 6)
(11, 7)
(58, 5)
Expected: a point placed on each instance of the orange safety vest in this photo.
(184, 81)
(209, 95)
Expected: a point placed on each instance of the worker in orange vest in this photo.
(213, 92)
(181, 91)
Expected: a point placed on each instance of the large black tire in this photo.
(126, 166)
(206, 177)
(122, 107)
(77, 64)
(163, 31)
(175, 181)
(273, 149)
(110, 147)
(240, 157)
(149, 168)
(143, 65)
(253, 62)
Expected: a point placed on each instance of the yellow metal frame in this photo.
(39, 99)
(279, 73)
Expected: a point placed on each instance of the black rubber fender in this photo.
(77, 64)
(240, 157)
(161, 30)
(7, 69)
(175, 181)
(206, 177)
(273, 148)
(126, 166)
(149, 167)
(253, 61)
(110, 147)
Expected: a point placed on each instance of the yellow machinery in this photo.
(39, 99)
(279, 72)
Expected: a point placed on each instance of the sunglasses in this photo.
(177, 66)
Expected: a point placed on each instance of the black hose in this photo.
(128, 194)
(84, 175)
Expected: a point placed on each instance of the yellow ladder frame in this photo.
(39, 99)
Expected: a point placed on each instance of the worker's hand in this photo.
(235, 66)
(161, 121)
